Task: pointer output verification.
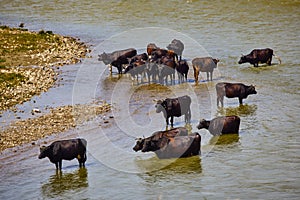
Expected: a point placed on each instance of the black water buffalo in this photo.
(65, 150)
(182, 69)
(205, 64)
(258, 56)
(170, 146)
(232, 90)
(117, 58)
(221, 125)
(177, 46)
(175, 107)
(156, 136)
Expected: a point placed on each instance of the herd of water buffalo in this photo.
(158, 64)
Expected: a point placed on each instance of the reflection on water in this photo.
(242, 110)
(60, 182)
(168, 167)
(224, 139)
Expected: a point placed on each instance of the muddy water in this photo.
(262, 162)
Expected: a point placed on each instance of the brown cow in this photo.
(205, 64)
(259, 56)
(177, 107)
(221, 125)
(170, 147)
(182, 69)
(65, 150)
(117, 58)
(233, 90)
(177, 46)
(179, 131)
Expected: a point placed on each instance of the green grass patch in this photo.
(11, 79)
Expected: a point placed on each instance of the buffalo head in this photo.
(43, 152)
(151, 144)
(251, 90)
(139, 144)
(159, 106)
(216, 60)
(203, 124)
(105, 58)
(243, 59)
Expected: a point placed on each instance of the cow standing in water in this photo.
(182, 69)
(205, 64)
(233, 90)
(259, 56)
(179, 131)
(117, 58)
(175, 107)
(174, 143)
(65, 150)
(221, 125)
(177, 46)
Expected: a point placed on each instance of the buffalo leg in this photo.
(207, 74)
(119, 69)
(211, 75)
(196, 73)
(241, 100)
(269, 61)
(189, 116)
(172, 120)
(58, 165)
(220, 99)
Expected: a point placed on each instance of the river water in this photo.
(262, 162)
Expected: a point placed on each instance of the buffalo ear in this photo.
(202, 120)
(42, 148)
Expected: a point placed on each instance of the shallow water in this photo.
(262, 162)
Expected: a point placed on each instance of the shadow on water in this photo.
(242, 110)
(224, 139)
(60, 182)
(168, 167)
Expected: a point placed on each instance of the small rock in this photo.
(36, 110)
(106, 122)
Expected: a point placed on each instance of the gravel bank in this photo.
(28, 67)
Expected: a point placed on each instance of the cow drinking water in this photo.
(259, 56)
(65, 150)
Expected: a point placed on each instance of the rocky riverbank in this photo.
(29, 63)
